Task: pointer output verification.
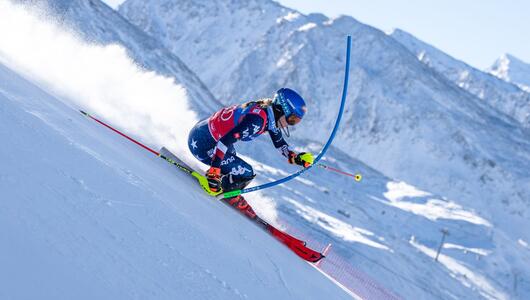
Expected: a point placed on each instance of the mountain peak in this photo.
(401, 33)
(501, 66)
(317, 18)
(512, 69)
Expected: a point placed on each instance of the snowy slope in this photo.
(87, 215)
(504, 96)
(512, 69)
(101, 217)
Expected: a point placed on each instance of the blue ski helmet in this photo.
(292, 104)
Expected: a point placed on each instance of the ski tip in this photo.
(84, 113)
(316, 258)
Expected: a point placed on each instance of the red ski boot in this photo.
(241, 204)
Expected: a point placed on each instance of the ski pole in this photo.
(202, 180)
(120, 133)
(357, 177)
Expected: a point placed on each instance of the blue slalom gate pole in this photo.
(326, 146)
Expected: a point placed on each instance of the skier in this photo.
(212, 140)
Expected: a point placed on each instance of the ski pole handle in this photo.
(357, 177)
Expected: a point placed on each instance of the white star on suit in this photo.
(194, 144)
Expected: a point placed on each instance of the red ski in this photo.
(297, 246)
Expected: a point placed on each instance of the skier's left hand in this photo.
(214, 179)
(304, 159)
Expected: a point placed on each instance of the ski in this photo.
(297, 246)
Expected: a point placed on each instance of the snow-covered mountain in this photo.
(512, 69)
(405, 118)
(287, 48)
(501, 95)
(402, 117)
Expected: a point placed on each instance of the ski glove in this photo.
(214, 179)
(304, 159)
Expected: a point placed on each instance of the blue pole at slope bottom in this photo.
(332, 136)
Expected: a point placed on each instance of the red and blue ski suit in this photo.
(212, 140)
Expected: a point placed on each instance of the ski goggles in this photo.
(293, 119)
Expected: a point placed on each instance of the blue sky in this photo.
(475, 31)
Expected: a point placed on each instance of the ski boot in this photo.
(242, 205)
(230, 183)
